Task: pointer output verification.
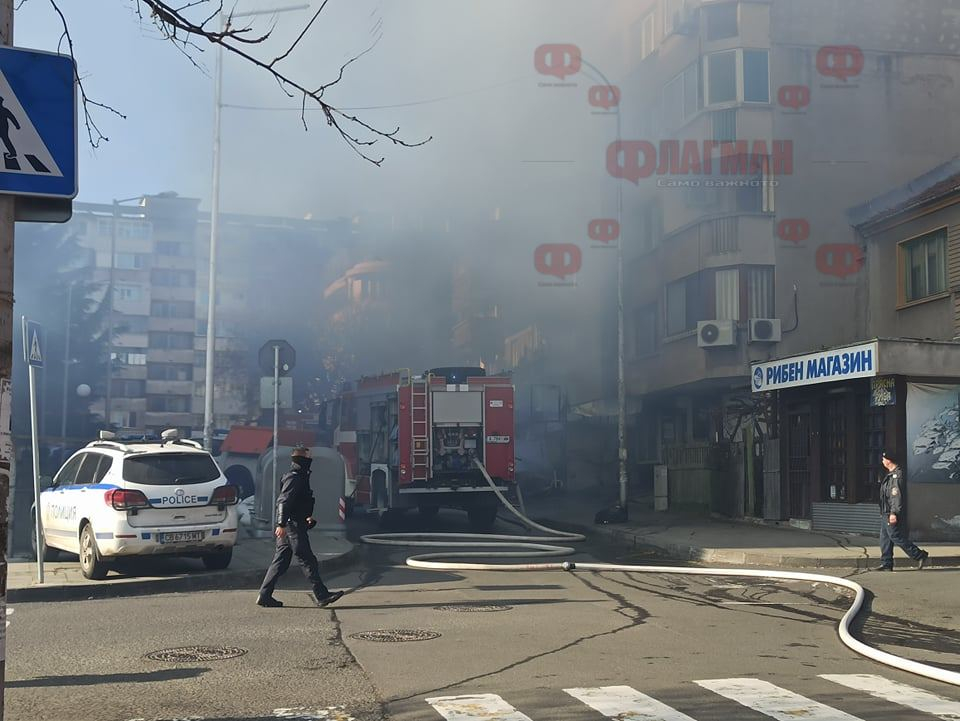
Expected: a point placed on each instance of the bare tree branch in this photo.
(94, 135)
(175, 25)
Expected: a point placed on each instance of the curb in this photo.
(725, 557)
(203, 581)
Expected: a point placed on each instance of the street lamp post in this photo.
(66, 373)
(621, 380)
(215, 223)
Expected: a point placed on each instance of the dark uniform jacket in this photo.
(295, 502)
(891, 492)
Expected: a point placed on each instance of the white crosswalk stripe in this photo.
(625, 704)
(899, 693)
(773, 701)
(486, 706)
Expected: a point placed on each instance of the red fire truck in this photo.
(412, 441)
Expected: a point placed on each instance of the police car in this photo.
(113, 499)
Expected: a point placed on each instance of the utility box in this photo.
(661, 488)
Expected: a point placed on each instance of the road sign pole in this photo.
(35, 441)
(276, 415)
(7, 211)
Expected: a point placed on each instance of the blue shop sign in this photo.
(859, 361)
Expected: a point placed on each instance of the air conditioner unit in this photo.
(716, 333)
(765, 330)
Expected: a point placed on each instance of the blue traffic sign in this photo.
(32, 343)
(38, 124)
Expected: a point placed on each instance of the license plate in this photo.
(180, 537)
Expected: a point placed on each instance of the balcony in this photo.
(160, 355)
(158, 419)
(176, 325)
(175, 388)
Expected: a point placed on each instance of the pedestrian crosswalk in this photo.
(766, 699)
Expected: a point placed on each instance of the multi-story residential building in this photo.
(160, 275)
(750, 129)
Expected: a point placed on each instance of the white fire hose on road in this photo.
(534, 546)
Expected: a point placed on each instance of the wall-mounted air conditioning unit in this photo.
(765, 330)
(716, 333)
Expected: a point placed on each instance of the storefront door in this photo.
(798, 461)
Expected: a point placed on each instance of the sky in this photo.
(459, 72)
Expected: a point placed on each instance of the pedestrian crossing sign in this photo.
(38, 124)
(32, 343)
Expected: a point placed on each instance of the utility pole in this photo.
(208, 421)
(6, 360)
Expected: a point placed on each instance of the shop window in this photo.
(923, 266)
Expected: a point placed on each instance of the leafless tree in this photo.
(192, 25)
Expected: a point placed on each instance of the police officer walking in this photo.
(294, 519)
(891, 514)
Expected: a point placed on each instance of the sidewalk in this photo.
(690, 537)
(141, 575)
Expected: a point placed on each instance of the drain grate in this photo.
(396, 635)
(474, 608)
(187, 654)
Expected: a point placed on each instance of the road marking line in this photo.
(625, 704)
(485, 706)
(899, 693)
(773, 701)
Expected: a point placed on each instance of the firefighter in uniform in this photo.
(891, 515)
(294, 519)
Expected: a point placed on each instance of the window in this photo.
(127, 229)
(672, 16)
(756, 76)
(761, 301)
(125, 388)
(129, 357)
(728, 294)
(169, 372)
(683, 305)
(923, 263)
(170, 469)
(173, 278)
(645, 332)
(88, 469)
(737, 76)
(172, 309)
(171, 341)
(724, 125)
(649, 227)
(721, 78)
(69, 471)
(130, 261)
(131, 324)
(102, 468)
(128, 292)
(721, 21)
(648, 31)
(169, 247)
(681, 97)
(168, 404)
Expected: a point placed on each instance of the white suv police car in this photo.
(114, 499)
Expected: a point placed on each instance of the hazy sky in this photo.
(459, 71)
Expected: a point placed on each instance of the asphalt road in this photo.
(497, 646)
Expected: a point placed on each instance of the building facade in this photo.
(754, 127)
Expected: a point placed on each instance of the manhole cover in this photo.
(474, 608)
(396, 635)
(187, 654)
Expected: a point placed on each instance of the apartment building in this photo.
(754, 127)
(160, 276)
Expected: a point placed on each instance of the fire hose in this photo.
(535, 547)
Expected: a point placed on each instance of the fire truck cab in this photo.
(411, 441)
